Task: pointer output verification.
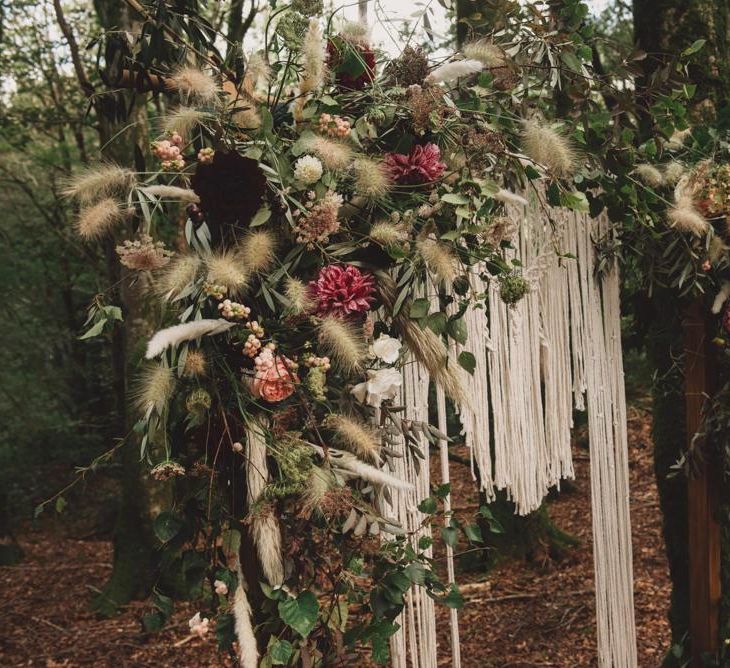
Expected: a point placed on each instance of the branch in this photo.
(86, 86)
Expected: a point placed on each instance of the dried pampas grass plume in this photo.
(267, 538)
(371, 178)
(673, 172)
(439, 259)
(187, 331)
(455, 70)
(257, 71)
(226, 269)
(298, 295)
(172, 193)
(386, 233)
(343, 342)
(154, 389)
(102, 180)
(356, 437)
(183, 119)
(508, 197)
(257, 251)
(248, 653)
(97, 220)
(687, 219)
(549, 148)
(314, 51)
(334, 154)
(194, 84)
(320, 482)
(348, 463)
(177, 275)
(486, 52)
(649, 175)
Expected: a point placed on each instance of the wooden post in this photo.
(703, 491)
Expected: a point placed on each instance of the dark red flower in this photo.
(422, 165)
(231, 189)
(342, 290)
(353, 63)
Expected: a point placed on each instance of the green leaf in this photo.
(300, 613)
(453, 599)
(449, 536)
(424, 542)
(442, 491)
(419, 308)
(153, 622)
(473, 533)
(428, 506)
(96, 329)
(262, 216)
(60, 504)
(416, 573)
(166, 526)
(694, 48)
(576, 201)
(225, 630)
(457, 330)
(467, 361)
(455, 198)
(437, 322)
(280, 652)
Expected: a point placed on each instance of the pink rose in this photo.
(274, 383)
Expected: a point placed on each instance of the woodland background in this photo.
(63, 399)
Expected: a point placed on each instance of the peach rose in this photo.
(274, 383)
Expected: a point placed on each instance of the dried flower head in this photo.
(308, 169)
(195, 363)
(422, 165)
(334, 154)
(183, 119)
(486, 52)
(313, 58)
(649, 175)
(549, 148)
(100, 181)
(154, 388)
(512, 288)
(673, 172)
(372, 178)
(257, 250)
(386, 233)
(411, 67)
(319, 220)
(180, 272)
(167, 470)
(192, 84)
(143, 254)
(687, 219)
(97, 220)
(300, 300)
(427, 108)
(343, 342)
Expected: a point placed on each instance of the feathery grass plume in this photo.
(686, 218)
(439, 259)
(187, 331)
(172, 193)
(347, 462)
(508, 197)
(267, 538)
(721, 297)
(455, 70)
(717, 250)
(248, 653)
(298, 295)
(649, 175)
(320, 482)
(183, 119)
(334, 154)
(314, 52)
(98, 219)
(386, 233)
(246, 114)
(195, 364)
(356, 437)
(673, 172)
(549, 148)
(154, 388)
(355, 32)
(194, 84)
(678, 138)
(371, 178)
(343, 342)
(102, 180)
(425, 346)
(257, 71)
(181, 271)
(257, 250)
(486, 52)
(226, 269)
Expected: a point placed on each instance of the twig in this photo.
(51, 624)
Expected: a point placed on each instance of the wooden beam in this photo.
(703, 490)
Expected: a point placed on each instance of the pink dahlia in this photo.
(342, 290)
(422, 165)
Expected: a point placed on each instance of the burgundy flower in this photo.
(231, 190)
(342, 290)
(352, 63)
(726, 319)
(422, 165)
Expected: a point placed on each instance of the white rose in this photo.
(381, 385)
(387, 348)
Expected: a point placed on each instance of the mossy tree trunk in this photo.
(664, 27)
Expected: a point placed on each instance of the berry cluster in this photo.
(169, 151)
(334, 126)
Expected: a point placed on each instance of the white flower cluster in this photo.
(308, 169)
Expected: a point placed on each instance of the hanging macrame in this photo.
(557, 349)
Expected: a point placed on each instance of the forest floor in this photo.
(519, 615)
